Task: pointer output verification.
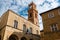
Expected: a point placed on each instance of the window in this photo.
(30, 15)
(37, 31)
(24, 28)
(30, 6)
(36, 15)
(59, 11)
(30, 30)
(54, 27)
(50, 15)
(15, 24)
(27, 31)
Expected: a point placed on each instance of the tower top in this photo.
(32, 3)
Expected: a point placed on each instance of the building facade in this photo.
(15, 27)
(51, 24)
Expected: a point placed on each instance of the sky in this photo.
(21, 7)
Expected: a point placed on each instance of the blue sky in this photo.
(21, 7)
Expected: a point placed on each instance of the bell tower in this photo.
(33, 14)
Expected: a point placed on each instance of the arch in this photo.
(23, 38)
(13, 37)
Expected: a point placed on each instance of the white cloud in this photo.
(51, 0)
(14, 8)
(38, 2)
(54, 4)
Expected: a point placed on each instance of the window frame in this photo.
(24, 28)
(54, 27)
(15, 24)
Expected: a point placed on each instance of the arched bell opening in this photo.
(13, 37)
(23, 38)
(31, 39)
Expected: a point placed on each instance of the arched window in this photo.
(15, 24)
(23, 38)
(24, 28)
(30, 6)
(28, 31)
(30, 15)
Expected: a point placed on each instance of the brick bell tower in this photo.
(33, 14)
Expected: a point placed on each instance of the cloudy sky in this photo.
(21, 7)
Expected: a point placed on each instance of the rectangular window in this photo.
(50, 15)
(24, 28)
(54, 27)
(15, 24)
